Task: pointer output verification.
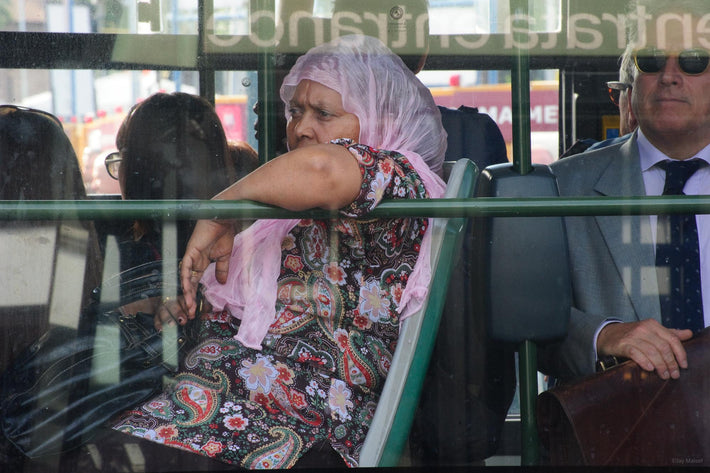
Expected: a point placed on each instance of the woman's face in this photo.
(317, 116)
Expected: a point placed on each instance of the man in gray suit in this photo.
(617, 311)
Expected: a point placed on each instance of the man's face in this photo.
(672, 104)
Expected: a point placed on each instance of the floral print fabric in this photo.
(326, 356)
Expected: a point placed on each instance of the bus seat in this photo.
(473, 135)
(471, 382)
(50, 267)
(47, 268)
(525, 289)
(390, 426)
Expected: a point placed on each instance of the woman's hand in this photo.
(173, 311)
(212, 240)
(170, 312)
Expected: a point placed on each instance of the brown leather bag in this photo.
(628, 416)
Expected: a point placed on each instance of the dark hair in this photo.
(244, 158)
(169, 133)
(173, 146)
(37, 160)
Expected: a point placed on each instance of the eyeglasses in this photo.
(690, 61)
(19, 108)
(113, 164)
(615, 89)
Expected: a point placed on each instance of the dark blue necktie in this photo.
(678, 256)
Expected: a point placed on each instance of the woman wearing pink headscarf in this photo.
(305, 314)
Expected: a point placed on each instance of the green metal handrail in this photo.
(445, 208)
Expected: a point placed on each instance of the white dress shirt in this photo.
(654, 179)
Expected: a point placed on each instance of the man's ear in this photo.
(632, 122)
(632, 114)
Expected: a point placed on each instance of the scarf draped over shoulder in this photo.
(396, 112)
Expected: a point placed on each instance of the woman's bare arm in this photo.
(320, 176)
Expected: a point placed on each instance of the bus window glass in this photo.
(236, 95)
(91, 120)
(89, 61)
(489, 16)
(489, 91)
(103, 16)
(230, 17)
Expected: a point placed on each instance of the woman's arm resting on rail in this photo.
(320, 176)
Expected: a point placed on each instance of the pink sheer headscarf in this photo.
(396, 112)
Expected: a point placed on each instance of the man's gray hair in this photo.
(652, 9)
(627, 68)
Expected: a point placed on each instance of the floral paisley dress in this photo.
(325, 358)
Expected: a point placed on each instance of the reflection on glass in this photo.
(489, 91)
(490, 16)
(92, 105)
(102, 16)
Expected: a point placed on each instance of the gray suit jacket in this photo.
(612, 257)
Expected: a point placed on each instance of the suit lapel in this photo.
(629, 238)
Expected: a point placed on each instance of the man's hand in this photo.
(650, 344)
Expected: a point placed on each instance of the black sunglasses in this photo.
(113, 164)
(19, 108)
(690, 61)
(615, 89)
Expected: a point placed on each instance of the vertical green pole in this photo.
(522, 163)
(205, 9)
(266, 79)
(527, 369)
(520, 91)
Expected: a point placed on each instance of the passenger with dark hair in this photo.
(171, 146)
